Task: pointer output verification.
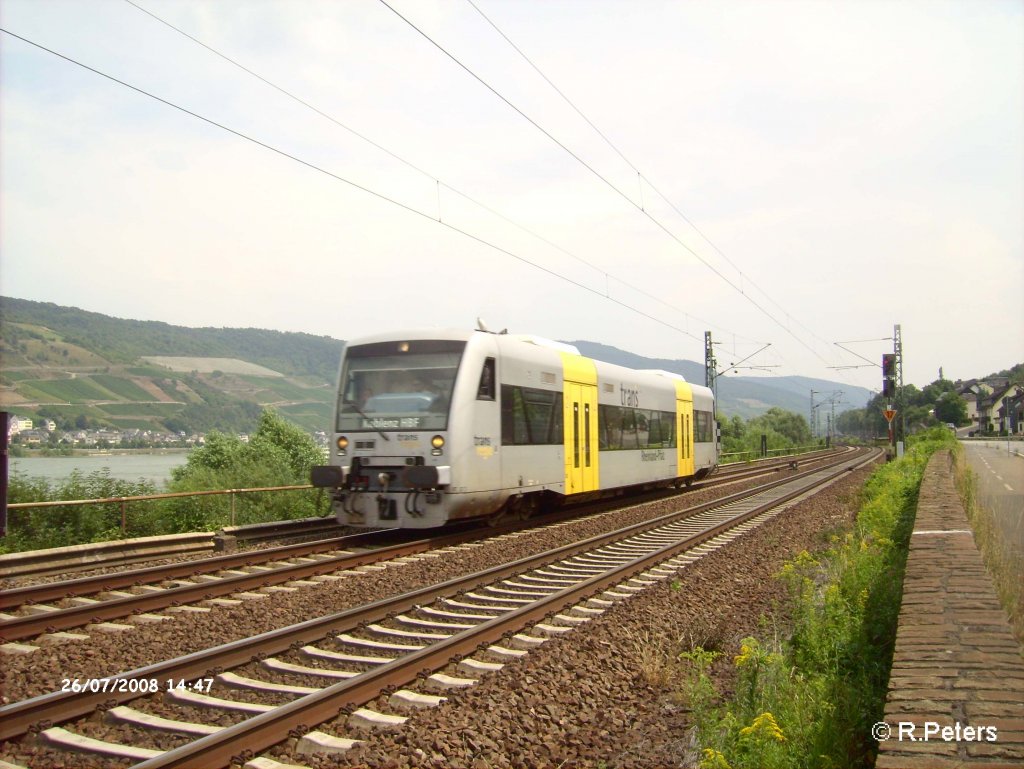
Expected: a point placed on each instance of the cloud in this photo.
(857, 162)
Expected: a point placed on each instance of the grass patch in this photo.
(78, 390)
(286, 389)
(19, 376)
(159, 410)
(808, 698)
(130, 423)
(312, 416)
(123, 388)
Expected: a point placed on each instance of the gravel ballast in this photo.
(539, 711)
(581, 699)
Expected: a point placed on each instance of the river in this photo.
(155, 468)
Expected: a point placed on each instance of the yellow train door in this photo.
(684, 425)
(580, 408)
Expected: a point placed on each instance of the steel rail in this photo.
(18, 718)
(104, 582)
(114, 580)
(109, 553)
(31, 625)
(239, 743)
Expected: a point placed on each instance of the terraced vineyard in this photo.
(70, 365)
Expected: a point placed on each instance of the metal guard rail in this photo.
(123, 501)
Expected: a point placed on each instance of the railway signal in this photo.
(889, 375)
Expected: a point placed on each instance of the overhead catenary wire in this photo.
(640, 175)
(356, 185)
(600, 176)
(429, 175)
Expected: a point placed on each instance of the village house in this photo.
(1008, 409)
(16, 424)
(979, 394)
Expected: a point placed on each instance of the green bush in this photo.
(810, 699)
(783, 430)
(279, 454)
(43, 527)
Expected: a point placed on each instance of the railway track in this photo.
(114, 554)
(88, 557)
(28, 612)
(349, 658)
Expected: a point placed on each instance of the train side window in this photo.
(668, 428)
(487, 388)
(530, 416)
(704, 427)
(630, 439)
(654, 439)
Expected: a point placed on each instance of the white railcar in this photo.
(436, 426)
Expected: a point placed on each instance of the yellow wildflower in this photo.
(713, 759)
(748, 648)
(765, 725)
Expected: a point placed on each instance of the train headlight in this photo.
(342, 444)
(438, 443)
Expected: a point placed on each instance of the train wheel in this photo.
(517, 508)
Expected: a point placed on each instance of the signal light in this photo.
(889, 375)
(889, 365)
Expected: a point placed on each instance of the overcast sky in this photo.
(842, 167)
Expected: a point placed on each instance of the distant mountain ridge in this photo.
(71, 363)
(125, 341)
(741, 396)
(85, 368)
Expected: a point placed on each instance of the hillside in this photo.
(126, 341)
(83, 368)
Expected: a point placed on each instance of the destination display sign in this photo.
(392, 423)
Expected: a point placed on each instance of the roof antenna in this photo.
(482, 326)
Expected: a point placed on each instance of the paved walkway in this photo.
(1000, 474)
(956, 689)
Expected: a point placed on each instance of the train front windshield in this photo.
(398, 385)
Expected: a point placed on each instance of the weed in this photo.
(698, 689)
(809, 700)
(654, 659)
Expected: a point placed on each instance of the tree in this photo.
(782, 430)
(793, 427)
(302, 452)
(952, 409)
(733, 427)
(278, 454)
(937, 389)
(219, 452)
